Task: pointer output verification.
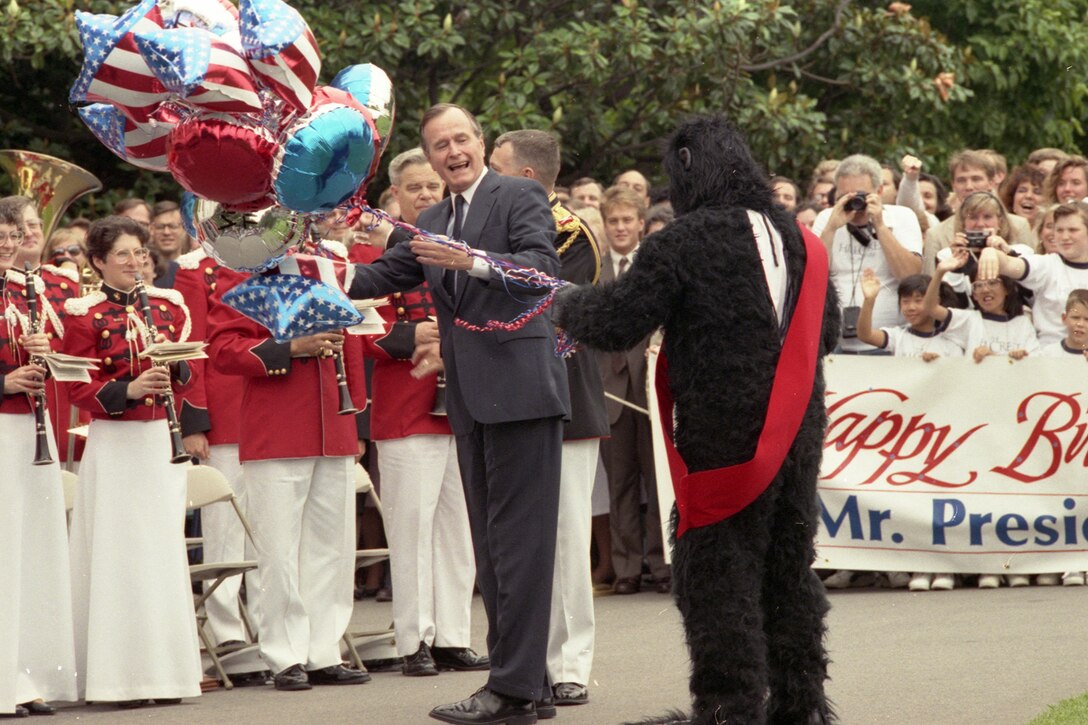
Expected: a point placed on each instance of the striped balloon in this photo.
(142, 145)
(197, 66)
(281, 50)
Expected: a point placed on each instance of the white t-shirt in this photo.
(849, 258)
(1003, 335)
(1058, 349)
(949, 339)
(1051, 278)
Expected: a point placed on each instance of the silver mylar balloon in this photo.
(250, 241)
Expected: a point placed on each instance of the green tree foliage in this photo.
(1027, 64)
(806, 79)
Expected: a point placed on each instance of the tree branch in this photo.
(821, 79)
(824, 37)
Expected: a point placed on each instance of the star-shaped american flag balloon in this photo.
(140, 145)
(292, 306)
(281, 49)
(196, 65)
(113, 70)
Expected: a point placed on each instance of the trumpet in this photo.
(42, 456)
(177, 447)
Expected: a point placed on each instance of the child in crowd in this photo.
(923, 336)
(1001, 327)
(1075, 320)
(1050, 276)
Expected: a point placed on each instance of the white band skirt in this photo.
(134, 621)
(37, 656)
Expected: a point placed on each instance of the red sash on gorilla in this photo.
(706, 497)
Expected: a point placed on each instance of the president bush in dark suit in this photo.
(506, 398)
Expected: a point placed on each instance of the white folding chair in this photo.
(204, 486)
(372, 644)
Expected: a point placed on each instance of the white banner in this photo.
(949, 466)
(953, 466)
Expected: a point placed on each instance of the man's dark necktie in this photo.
(619, 359)
(449, 278)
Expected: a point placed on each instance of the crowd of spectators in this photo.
(976, 260)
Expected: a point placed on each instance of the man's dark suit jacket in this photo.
(498, 376)
(580, 263)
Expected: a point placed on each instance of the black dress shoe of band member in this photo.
(487, 707)
(627, 585)
(545, 707)
(570, 693)
(167, 700)
(20, 711)
(338, 675)
(420, 664)
(39, 707)
(291, 679)
(459, 658)
(131, 704)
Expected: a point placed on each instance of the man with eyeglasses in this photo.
(61, 284)
(169, 239)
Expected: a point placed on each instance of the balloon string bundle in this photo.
(511, 274)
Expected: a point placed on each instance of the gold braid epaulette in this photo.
(566, 223)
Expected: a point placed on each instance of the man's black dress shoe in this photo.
(420, 664)
(338, 675)
(459, 658)
(627, 585)
(291, 679)
(545, 707)
(487, 707)
(570, 693)
(20, 711)
(39, 707)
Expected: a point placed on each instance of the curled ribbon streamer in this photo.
(511, 274)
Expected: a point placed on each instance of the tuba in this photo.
(52, 183)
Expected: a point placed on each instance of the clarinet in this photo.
(177, 448)
(346, 406)
(42, 456)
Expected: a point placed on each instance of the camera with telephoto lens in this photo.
(976, 239)
(857, 202)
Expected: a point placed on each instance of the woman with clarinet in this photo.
(136, 639)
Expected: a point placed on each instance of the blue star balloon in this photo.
(292, 306)
(269, 27)
(107, 123)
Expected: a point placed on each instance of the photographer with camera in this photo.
(971, 172)
(859, 231)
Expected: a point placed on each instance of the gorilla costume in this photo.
(753, 608)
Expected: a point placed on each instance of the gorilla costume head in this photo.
(709, 164)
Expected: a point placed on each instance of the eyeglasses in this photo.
(73, 250)
(13, 236)
(140, 255)
(166, 227)
(985, 284)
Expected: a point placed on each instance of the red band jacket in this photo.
(108, 326)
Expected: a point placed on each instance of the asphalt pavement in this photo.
(965, 657)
